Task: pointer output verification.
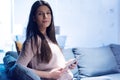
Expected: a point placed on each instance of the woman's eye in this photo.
(40, 13)
(48, 12)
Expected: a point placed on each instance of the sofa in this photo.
(98, 63)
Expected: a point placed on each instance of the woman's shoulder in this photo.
(33, 40)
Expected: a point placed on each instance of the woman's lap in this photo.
(17, 71)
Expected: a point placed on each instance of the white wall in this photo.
(5, 25)
(86, 23)
(119, 20)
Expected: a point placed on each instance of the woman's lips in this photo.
(45, 21)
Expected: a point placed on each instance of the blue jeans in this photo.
(17, 71)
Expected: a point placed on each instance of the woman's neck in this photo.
(43, 31)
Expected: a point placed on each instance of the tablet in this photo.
(73, 61)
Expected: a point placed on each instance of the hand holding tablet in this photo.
(71, 62)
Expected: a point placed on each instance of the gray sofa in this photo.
(99, 63)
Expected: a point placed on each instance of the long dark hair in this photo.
(32, 30)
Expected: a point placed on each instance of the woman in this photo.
(40, 52)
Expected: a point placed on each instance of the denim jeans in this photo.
(17, 71)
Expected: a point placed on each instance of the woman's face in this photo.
(43, 17)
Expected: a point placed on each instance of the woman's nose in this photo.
(45, 15)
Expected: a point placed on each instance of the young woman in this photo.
(40, 52)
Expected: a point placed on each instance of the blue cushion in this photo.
(61, 39)
(116, 51)
(104, 77)
(3, 75)
(97, 61)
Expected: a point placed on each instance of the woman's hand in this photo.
(56, 73)
(71, 64)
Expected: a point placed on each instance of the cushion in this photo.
(116, 51)
(3, 75)
(68, 54)
(18, 45)
(96, 61)
(61, 39)
(97, 78)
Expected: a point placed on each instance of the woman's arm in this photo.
(26, 56)
(26, 53)
(53, 74)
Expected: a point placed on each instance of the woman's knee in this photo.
(9, 61)
(20, 72)
(12, 53)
